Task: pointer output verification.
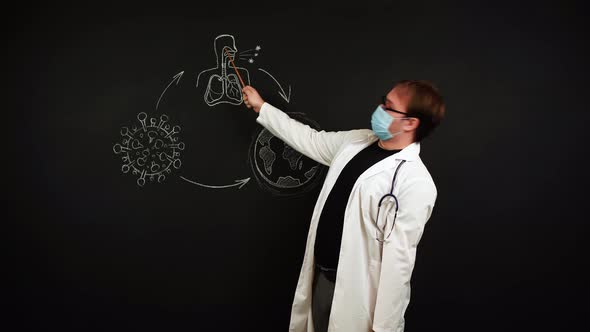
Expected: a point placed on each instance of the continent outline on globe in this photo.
(262, 159)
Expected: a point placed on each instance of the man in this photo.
(357, 266)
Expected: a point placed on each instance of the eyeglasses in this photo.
(384, 102)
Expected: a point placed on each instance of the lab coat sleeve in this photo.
(320, 146)
(416, 202)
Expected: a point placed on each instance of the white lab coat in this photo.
(371, 293)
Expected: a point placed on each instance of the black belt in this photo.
(330, 274)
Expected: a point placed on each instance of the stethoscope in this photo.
(390, 194)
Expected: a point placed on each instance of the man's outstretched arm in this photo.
(320, 146)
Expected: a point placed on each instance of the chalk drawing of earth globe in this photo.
(280, 169)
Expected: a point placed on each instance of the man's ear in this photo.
(412, 123)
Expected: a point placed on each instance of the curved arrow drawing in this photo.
(177, 79)
(282, 92)
(241, 183)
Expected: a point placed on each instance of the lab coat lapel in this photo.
(409, 153)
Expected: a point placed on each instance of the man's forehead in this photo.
(401, 91)
(398, 95)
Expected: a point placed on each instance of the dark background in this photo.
(503, 250)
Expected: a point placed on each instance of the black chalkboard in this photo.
(150, 201)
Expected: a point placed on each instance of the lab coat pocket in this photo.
(385, 215)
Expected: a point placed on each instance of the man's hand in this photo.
(252, 99)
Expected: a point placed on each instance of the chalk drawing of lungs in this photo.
(222, 85)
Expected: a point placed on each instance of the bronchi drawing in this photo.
(221, 86)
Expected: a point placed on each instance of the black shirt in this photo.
(329, 231)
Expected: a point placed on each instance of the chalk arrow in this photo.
(282, 92)
(175, 78)
(241, 183)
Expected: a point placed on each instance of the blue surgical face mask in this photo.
(380, 122)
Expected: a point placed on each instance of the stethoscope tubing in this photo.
(390, 194)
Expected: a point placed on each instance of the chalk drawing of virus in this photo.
(150, 151)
